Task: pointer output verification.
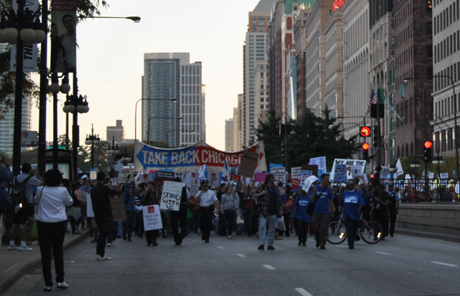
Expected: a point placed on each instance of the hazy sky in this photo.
(111, 51)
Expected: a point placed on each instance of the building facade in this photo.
(168, 77)
(446, 71)
(229, 134)
(116, 133)
(7, 126)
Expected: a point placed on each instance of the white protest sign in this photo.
(308, 182)
(202, 171)
(278, 173)
(170, 197)
(296, 173)
(320, 162)
(356, 171)
(444, 175)
(152, 217)
(349, 162)
(384, 173)
(89, 207)
(340, 173)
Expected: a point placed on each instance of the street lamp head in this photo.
(135, 19)
(54, 88)
(10, 34)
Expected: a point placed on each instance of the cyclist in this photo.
(352, 204)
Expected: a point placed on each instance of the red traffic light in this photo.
(365, 146)
(365, 131)
(428, 144)
(372, 176)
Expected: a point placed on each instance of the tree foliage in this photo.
(310, 136)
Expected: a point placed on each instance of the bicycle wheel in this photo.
(371, 232)
(337, 233)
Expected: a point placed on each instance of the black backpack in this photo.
(18, 191)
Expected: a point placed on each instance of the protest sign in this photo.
(384, 173)
(259, 177)
(89, 207)
(340, 173)
(202, 172)
(170, 197)
(356, 171)
(444, 175)
(320, 162)
(308, 183)
(152, 217)
(248, 164)
(349, 162)
(278, 173)
(296, 172)
(118, 209)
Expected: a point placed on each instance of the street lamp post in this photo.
(75, 105)
(18, 27)
(135, 112)
(91, 140)
(157, 117)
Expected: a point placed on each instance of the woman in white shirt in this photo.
(208, 202)
(51, 224)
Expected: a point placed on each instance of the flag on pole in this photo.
(226, 172)
(399, 169)
(381, 96)
(372, 100)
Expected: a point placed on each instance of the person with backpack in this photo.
(23, 193)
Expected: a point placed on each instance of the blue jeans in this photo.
(263, 229)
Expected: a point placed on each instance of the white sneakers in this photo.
(12, 248)
(25, 248)
(229, 236)
(62, 285)
(100, 258)
(109, 244)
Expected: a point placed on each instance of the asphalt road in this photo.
(402, 265)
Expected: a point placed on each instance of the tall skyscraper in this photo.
(255, 70)
(171, 76)
(229, 134)
(7, 126)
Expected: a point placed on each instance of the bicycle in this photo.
(370, 231)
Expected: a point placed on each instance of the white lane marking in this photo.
(269, 267)
(303, 292)
(241, 255)
(383, 253)
(446, 264)
(220, 247)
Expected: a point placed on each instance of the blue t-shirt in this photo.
(301, 205)
(322, 205)
(351, 201)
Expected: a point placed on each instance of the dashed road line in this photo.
(303, 292)
(241, 255)
(220, 247)
(269, 267)
(383, 253)
(445, 264)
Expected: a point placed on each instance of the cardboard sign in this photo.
(118, 209)
(340, 173)
(313, 168)
(248, 164)
(170, 197)
(152, 217)
(278, 173)
(296, 173)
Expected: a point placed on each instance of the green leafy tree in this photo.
(310, 136)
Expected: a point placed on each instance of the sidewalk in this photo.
(15, 264)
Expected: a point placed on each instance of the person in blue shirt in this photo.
(323, 211)
(352, 204)
(300, 213)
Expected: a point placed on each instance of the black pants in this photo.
(206, 221)
(230, 220)
(382, 218)
(103, 233)
(392, 222)
(352, 227)
(112, 234)
(302, 230)
(287, 220)
(51, 236)
(129, 224)
(151, 236)
(179, 218)
(139, 229)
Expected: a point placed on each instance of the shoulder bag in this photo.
(31, 223)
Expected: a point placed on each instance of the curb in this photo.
(438, 236)
(15, 272)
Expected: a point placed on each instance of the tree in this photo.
(311, 136)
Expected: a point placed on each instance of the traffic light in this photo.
(282, 149)
(427, 151)
(365, 151)
(365, 131)
(376, 135)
